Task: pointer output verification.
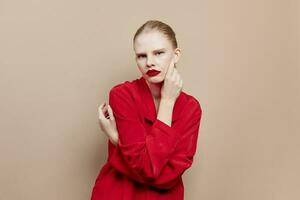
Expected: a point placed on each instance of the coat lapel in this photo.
(148, 106)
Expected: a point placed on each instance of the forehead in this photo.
(151, 41)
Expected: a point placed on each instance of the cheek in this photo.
(140, 67)
(140, 63)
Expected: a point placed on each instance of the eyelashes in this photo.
(159, 53)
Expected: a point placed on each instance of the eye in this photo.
(139, 56)
(160, 52)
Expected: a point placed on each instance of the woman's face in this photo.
(154, 52)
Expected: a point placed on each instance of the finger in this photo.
(178, 74)
(100, 114)
(181, 83)
(110, 112)
(103, 106)
(177, 77)
(102, 111)
(106, 114)
(170, 69)
(105, 111)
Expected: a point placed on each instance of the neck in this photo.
(155, 89)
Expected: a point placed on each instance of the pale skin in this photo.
(165, 87)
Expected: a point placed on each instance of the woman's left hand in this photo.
(107, 122)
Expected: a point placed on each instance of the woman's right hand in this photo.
(172, 85)
(107, 122)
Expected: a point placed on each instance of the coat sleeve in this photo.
(160, 156)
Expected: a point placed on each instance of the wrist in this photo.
(114, 138)
(167, 101)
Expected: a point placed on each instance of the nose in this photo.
(149, 62)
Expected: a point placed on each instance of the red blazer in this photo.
(151, 156)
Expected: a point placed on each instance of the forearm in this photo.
(165, 111)
(113, 137)
(164, 114)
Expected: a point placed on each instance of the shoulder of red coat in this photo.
(125, 87)
(192, 102)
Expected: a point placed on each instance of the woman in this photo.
(152, 125)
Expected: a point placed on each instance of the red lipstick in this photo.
(152, 72)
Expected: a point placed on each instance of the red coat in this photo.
(150, 156)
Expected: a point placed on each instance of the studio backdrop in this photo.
(60, 58)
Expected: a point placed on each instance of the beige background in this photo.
(240, 59)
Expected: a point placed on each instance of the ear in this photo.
(177, 55)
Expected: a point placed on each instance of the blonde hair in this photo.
(160, 26)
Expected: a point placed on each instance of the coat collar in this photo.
(148, 105)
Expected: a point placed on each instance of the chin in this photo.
(154, 79)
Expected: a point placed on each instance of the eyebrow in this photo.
(156, 50)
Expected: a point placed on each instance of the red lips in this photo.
(152, 72)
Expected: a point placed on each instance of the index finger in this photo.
(100, 113)
(170, 68)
